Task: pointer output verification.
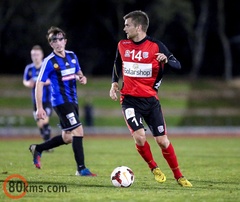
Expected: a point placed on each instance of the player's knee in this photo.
(139, 136)
(67, 137)
(162, 141)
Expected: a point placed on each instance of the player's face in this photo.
(58, 43)
(36, 56)
(130, 29)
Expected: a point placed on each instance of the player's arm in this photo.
(39, 94)
(79, 74)
(167, 57)
(41, 114)
(117, 68)
(27, 80)
(113, 91)
(81, 77)
(47, 82)
(29, 83)
(115, 77)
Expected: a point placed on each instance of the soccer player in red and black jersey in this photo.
(142, 61)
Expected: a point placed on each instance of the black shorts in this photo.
(68, 116)
(136, 109)
(47, 106)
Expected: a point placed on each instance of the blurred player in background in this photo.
(63, 70)
(140, 59)
(29, 80)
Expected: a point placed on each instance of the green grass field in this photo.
(211, 164)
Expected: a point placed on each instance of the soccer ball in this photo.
(122, 176)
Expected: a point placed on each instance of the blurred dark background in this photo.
(203, 34)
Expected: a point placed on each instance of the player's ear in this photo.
(50, 43)
(139, 27)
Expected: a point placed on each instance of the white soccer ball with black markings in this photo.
(122, 176)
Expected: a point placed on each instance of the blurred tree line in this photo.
(203, 34)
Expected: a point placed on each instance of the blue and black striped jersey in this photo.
(62, 74)
(31, 72)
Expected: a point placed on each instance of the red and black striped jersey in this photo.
(141, 72)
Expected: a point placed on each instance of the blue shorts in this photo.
(136, 110)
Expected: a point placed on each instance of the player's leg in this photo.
(133, 120)
(71, 126)
(78, 150)
(62, 111)
(171, 158)
(45, 130)
(37, 149)
(157, 125)
(144, 150)
(43, 124)
(40, 124)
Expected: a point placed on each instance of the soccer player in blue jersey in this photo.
(29, 80)
(63, 70)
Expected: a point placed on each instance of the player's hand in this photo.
(82, 79)
(113, 91)
(31, 83)
(41, 114)
(161, 58)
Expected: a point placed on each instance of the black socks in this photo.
(53, 142)
(45, 132)
(77, 147)
(78, 152)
